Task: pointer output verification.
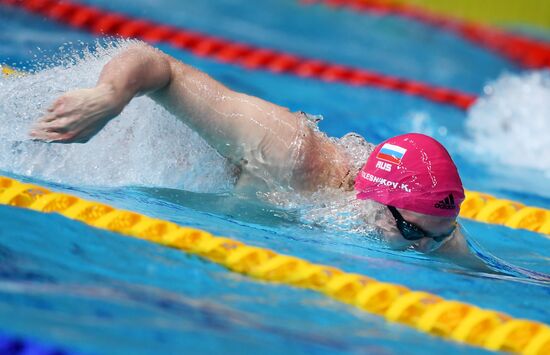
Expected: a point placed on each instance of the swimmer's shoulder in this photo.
(322, 163)
(343, 158)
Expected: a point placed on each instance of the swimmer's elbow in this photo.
(145, 69)
(142, 50)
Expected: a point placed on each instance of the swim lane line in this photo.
(522, 50)
(425, 312)
(104, 22)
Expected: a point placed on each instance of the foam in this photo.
(145, 145)
(510, 124)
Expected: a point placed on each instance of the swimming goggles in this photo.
(411, 231)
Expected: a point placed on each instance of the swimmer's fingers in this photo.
(58, 126)
(60, 108)
(63, 124)
(76, 116)
(56, 137)
(56, 104)
(45, 136)
(52, 131)
(48, 118)
(64, 131)
(51, 117)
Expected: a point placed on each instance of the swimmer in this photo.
(411, 177)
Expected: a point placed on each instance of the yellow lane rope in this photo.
(8, 71)
(500, 12)
(489, 209)
(423, 311)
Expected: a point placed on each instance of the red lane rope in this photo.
(103, 22)
(524, 51)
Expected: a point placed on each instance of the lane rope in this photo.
(533, 13)
(6, 70)
(103, 22)
(524, 51)
(486, 208)
(420, 310)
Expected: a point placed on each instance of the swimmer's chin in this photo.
(394, 242)
(398, 247)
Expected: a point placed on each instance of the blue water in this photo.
(97, 292)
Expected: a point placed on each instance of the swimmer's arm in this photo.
(457, 251)
(229, 121)
(233, 123)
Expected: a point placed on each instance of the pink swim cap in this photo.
(414, 172)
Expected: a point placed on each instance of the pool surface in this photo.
(96, 292)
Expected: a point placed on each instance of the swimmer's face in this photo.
(431, 224)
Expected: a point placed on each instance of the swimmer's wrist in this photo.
(115, 100)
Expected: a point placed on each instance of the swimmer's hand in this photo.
(77, 115)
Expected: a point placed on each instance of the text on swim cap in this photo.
(385, 182)
(383, 166)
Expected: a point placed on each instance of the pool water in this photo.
(65, 283)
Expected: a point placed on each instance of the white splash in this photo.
(145, 145)
(511, 123)
(334, 209)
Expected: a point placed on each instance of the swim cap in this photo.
(414, 172)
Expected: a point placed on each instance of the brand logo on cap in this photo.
(391, 153)
(448, 203)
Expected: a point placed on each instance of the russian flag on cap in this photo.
(391, 153)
